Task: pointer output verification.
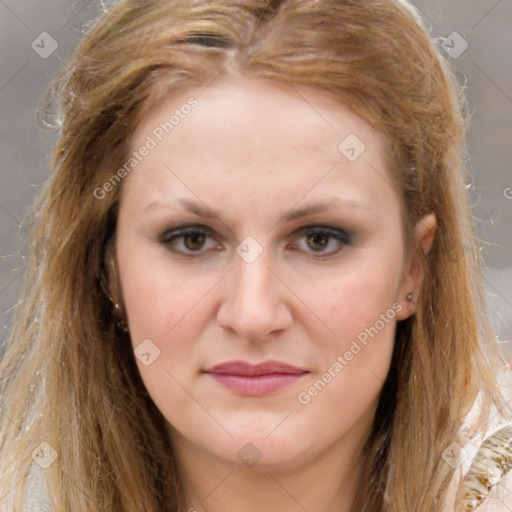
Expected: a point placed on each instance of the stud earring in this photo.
(409, 297)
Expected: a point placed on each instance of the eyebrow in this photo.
(334, 202)
(202, 210)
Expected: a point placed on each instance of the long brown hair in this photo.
(68, 377)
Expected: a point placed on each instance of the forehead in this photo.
(253, 135)
(292, 111)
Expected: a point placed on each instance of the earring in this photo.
(121, 323)
(119, 313)
(409, 297)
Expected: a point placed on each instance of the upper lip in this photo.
(248, 369)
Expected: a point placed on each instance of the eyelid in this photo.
(339, 234)
(174, 232)
(190, 228)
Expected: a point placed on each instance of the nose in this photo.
(255, 303)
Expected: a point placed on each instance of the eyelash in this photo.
(332, 233)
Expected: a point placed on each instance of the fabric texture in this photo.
(486, 463)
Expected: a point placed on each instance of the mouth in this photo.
(262, 379)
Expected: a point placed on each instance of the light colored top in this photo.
(483, 465)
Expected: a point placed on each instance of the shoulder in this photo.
(499, 498)
(486, 481)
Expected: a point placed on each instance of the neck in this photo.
(327, 483)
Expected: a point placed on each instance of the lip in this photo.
(261, 379)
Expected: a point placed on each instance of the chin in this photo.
(269, 448)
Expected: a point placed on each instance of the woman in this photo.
(262, 289)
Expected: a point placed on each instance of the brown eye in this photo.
(322, 240)
(318, 241)
(194, 241)
(188, 241)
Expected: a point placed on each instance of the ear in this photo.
(412, 278)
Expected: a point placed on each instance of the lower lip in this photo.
(257, 385)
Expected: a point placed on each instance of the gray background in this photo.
(485, 66)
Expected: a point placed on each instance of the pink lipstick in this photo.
(262, 379)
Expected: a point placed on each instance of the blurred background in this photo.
(36, 38)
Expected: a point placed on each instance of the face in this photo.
(262, 267)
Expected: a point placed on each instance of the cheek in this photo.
(360, 309)
(350, 301)
(159, 297)
(356, 359)
(166, 312)
(167, 309)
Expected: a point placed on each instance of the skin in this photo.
(253, 151)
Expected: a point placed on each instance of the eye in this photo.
(194, 240)
(187, 240)
(320, 238)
